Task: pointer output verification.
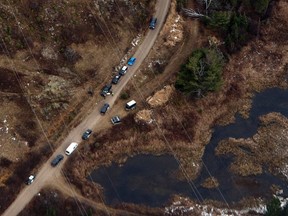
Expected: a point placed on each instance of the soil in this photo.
(161, 96)
(50, 55)
(53, 72)
(182, 125)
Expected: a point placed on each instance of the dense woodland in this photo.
(234, 22)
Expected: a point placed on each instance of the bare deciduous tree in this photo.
(207, 4)
(192, 13)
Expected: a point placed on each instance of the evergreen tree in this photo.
(274, 208)
(201, 73)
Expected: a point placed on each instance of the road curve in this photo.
(46, 172)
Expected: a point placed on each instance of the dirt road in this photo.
(46, 172)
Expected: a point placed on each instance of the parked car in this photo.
(131, 105)
(86, 134)
(116, 79)
(131, 61)
(116, 120)
(106, 90)
(123, 70)
(57, 160)
(105, 108)
(71, 148)
(152, 23)
(30, 179)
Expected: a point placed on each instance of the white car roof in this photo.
(132, 102)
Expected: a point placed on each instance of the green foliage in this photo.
(233, 2)
(220, 19)
(236, 34)
(260, 6)
(181, 4)
(234, 28)
(274, 208)
(51, 211)
(202, 73)
(124, 96)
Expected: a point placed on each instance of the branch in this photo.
(192, 13)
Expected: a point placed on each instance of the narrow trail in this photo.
(61, 185)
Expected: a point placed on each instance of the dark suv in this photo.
(116, 79)
(104, 109)
(153, 22)
(57, 160)
(106, 89)
(86, 134)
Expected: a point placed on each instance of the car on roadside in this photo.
(131, 61)
(104, 108)
(71, 148)
(106, 90)
(57, 160)
(123, 70)
(115, 120)
(30, 179)
(86, 134)
(116, 79)
(152, 24)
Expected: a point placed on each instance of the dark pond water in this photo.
(148, 180)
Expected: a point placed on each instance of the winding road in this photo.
(46, 172)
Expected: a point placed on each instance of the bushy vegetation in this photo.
(52, 203)
(274, 208)
(201, 73)
(181, 4)
(234, 20)
(260, 6)
(233, 26)
(124, 96)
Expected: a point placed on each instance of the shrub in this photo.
(234, 28)
(260, 6)
(124, 96)
(181, 4)
(202, 72)
(274, 207)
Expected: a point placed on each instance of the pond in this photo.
(148, 180)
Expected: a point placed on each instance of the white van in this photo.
(131, 105)
(71, 148)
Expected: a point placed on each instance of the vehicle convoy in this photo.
(30, 179)
(86, 134)
(57, 160)
(71, 148)
(130, 105)
(44, 176)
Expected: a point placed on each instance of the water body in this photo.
(148, 180)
